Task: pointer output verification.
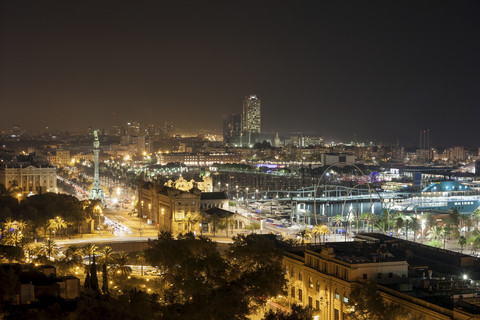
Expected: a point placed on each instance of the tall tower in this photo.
(251, 120)
(96, 193)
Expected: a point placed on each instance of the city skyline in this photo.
(378, 71)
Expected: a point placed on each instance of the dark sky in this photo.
(381, 69)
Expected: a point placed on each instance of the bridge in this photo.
(325, 194)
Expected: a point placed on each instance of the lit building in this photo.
(198, 159)
(171, 209)
(251, 117)
(61, 158)
(328, 159)
(323, 278)
(31, 173)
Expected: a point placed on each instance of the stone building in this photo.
(173, 210)
(323, 277)
(30, 179)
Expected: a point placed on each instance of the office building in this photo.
(251, 117)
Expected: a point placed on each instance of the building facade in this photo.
(172, 210)
(323, 279)
(251, 116)
(30, 179)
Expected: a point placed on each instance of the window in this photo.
(317, 286)
(293, 292)
(293, 272)
(345, 299)
(337, 296)
(336, 315)
(300, 277)
(300, 293)
(310, 302)
(364, 276)
(317, 304)
(310, 282)
(379, 275)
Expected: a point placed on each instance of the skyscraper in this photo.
(232, 128)
(251, 120)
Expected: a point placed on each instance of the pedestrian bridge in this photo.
(325, 194)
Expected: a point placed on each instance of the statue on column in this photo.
(96, 193)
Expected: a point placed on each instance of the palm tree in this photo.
(50, 249)
(141, 260)
(33, 249)
(107, 256)
(399, 225)
(415, 226)
(434, 233)
(56, 224)
(120, 267)
(90, 250)
(305, 234)
(324, 230)
(317, 231)
(445, 232)
(75, 253)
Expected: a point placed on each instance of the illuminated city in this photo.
(258, 160)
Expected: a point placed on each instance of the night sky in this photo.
(379, 69)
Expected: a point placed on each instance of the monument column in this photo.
(96, 193)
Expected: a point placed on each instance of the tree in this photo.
(56, 224)
(93, 276)
(253, 226)
(399, 224)
(415, 226)
(365, 303)
(74, 253)
(256, 257)
(445, 232)
(434, 233)
(297, 312)
(120, 267)
(141, 260)
(462, 241)
(200, 281)
(305, 234)
(90, 250)
(317, 232)
(50, 249)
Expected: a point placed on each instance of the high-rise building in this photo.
(251, 117)
(232, 127)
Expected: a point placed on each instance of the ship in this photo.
(443, 196)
